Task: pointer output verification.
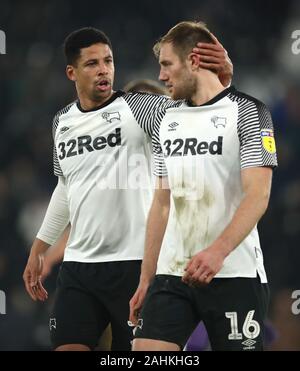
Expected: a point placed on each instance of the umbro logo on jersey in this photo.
(85, 143)
(173, 126)
(191, 146)
(64, 129)
(219, 121)
(111, 116)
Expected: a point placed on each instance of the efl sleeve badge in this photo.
(268, 141)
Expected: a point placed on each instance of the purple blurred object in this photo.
(270, 333)
(198, 341)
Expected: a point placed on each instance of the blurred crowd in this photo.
(34, 87)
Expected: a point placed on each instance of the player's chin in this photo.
(176, 95)
(103, 94)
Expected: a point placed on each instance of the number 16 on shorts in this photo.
(251, 328)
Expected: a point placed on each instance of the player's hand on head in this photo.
(215, 57)
(202, 268)
(32, 278)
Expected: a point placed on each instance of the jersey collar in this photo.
(115, 95)
(214, 99)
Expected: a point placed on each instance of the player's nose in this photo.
(162, 76)
(102, 69)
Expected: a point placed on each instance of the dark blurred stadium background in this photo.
(257, 35)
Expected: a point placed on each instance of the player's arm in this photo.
(148, 109)
(156, 226)
(257, 187)
(55, 253)
(55, 221)
(214, 56)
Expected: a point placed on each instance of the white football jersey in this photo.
(202, 150)
(104, 157)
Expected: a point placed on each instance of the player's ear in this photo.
(70, 71)
(194, 61)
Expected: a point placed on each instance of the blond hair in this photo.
(184, 36)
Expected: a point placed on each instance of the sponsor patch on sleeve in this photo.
(267, 137)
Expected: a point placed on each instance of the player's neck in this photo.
(88, 104)
(207, 89)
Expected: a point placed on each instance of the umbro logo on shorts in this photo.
(249, 344)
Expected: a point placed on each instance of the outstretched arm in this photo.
(156, 226)
(207, 263)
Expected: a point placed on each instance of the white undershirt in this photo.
(57, 215)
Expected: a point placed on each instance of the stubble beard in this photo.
(99, 97)
(186, 90)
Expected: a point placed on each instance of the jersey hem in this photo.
(101, 260)
(236, 275)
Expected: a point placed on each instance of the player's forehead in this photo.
(95, 51)
(167, 53)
